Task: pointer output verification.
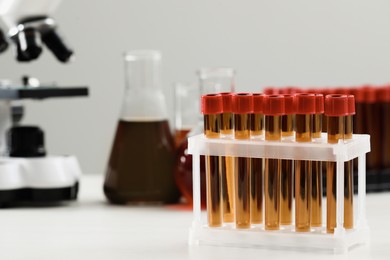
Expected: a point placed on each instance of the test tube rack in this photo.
(285, 238)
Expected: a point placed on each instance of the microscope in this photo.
(28, 26)
(27, 173)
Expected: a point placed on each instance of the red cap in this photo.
(211, 104)
(369, 94)
(351, 105)
(258, 103)
(242, 103)
(305, 103)
(227, 103)
(319, 103)
(312, 91)
(358, 93)
(289, 104)
(270, 91)
(273, 105)
(294, 90)
(343, 91)
(284, 91)
(336, 105)
(383, 94)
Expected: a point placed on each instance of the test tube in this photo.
(212, 109)
(242, 110)
(348, 167)
(227, 173)
(384, 94)
(336, 107)
(306, 107)
(257, 129)
(287, 166)
(316, 173)
(273, 109)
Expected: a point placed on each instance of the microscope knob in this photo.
(26, 141)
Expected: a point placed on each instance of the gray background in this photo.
(270, 43)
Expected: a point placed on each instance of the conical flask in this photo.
(141, 165)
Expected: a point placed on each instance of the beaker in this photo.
(186, 109)
(211, 80)
(141, 164)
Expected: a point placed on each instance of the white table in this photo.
(93, 229)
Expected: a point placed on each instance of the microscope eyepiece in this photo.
(3, 42)
(29, 45)
(57, 45)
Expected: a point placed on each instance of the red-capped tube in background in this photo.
(258, 103)
(289, 104)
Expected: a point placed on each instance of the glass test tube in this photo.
(316, 173)
(385, 101)
(242, 109)
(212, 109)
(336, 107)
(287, 166)
(373, 128)
(256, 179)
(273, 109)
(227, 168)
(348, 167)
(305, 110)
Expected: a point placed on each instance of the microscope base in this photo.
(38, 180)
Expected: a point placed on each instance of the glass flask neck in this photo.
(144, 99)
(143, 70)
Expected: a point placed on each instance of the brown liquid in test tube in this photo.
(373, 128)
(316, 173)
(227, 168)
(242, 110)
(212, 109)
(256, 179)
(384, 94)
(336, 107)
(287, 166)
(304, 125)
(348, 167)
(273, 109)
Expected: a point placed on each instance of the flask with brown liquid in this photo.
(141, 165)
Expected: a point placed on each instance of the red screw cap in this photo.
(305, 103)
(270, 91)
(351, 105)
(242, 103)
(289, 104)
(211, 104)
(227, 102)
(343, 91)
(336, 105)
(273, 105)
(319, 103)
(358, 93)
(383, 94)
(258, 103)
(369, 94)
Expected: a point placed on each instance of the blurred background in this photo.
(302, 43)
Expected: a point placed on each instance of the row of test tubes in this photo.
(243, 190)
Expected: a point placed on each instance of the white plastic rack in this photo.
(339, 242)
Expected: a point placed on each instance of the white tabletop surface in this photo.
(93, 229)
